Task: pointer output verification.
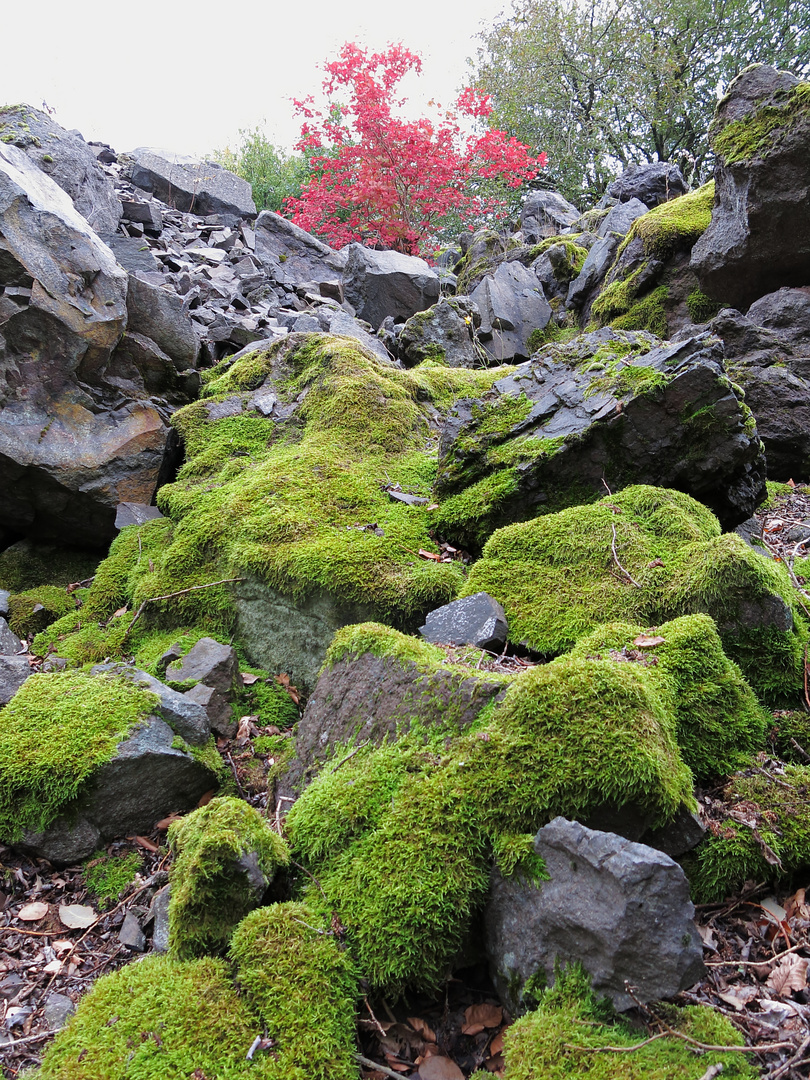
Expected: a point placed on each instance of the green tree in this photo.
(601, 84)
(273, 174)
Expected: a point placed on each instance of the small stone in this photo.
(474, 620)
(131, 933)
(10, 644)
(58, 1009)
(159, 914)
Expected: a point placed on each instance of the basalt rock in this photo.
(189, 184)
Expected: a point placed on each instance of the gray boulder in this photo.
(473, 620)
(382, 283)
(786, 311)
(545, 213)
(189, 184)
(216, 706)
(67, 159)
(594, 270)
(620, 909)
(10, 644)
(290, 254)
(186, 719)
(14, 670)
(759, 236)
(444, 332)
(651, 412)
(512, 307)
(208, 662)
(342, 324)
(145, 781)
(653, 183)
(158, 313)
(620, 217)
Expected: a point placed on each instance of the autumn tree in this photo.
(386, 181)
(601, 84)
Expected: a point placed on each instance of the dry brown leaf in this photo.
(205, 799)
(165, 822)
(61, 946)
(248, 679)
(647, 641)
(423, 1028)
(791, 483)
(478, 1017)
(33, 912)
(76, 916)
(397, 1066)
(121, 611)
(496, 1046)
(440, 1068)
(429, 555)
(495, 1064)
(789, 974)
(739, 997)
(145, 842)
(708, 938)
(53, 968)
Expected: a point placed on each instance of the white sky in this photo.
(187, 76)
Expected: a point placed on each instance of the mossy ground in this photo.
(54, 732)
(105, 876)
(400, 838)
(26, 565)
(763, 836)
(210, 891)
(557, 1041)
(303, 987)
(558, 578)
(161, 1019)
(34, 609)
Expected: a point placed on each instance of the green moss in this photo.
(701, 307)
(557, 578)
(775, 491)
(265, 699)
(514, 853)
(210, 890)
(26, 565)
(161, 1019)
(106, 876)
(34, 609)
(303, 987)
(786, 729)
(471, 512)
(675, 225)
(54, 732)
(400, 838)
(762, 131)
(544, 1044)
(648, 314)
(764, 836)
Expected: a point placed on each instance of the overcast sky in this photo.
(187, 77)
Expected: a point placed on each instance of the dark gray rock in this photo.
(290, 254)
(444, 332)
(146, 780)
(610, 430)
(653, 183)
(128, 513)
(208, 662)
(5, 596)
(158, 313)
(189, 184)
(473, 620)
(545, 213)
(131, 934)
(131, 253)
(159, 916)
(342, 324)
(372, 698)
(10, 644)
(787, 311)
(67, 159)
(382, 283)
(186, 718)
(594, 269)
(512, 307)
(57, 1010)
(759, 237)
(683, 833)
(619, 908)
(619, 219)
(217, 708)
(14, 670)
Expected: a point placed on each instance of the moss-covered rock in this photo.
(760, 831)
(644, 555)
(161, 1019)
(561, 1039)
(107, 875)
(26, 565)
(34, 609)
(303, 987)
(56, 731)
(226, 855)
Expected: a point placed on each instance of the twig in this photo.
(801, 749)
(791, 1062)
(239, 787)
(806, 693)
(377, 1023)
(33, 1038)
(171, 595)
(754, 963)
(628, 575)
(369, 1064)
(712, 1071)
(300, 867)
(350, 754)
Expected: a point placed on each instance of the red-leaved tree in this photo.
(390, 182)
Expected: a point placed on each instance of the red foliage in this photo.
(389, 182)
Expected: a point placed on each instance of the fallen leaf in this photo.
(76, 916)
(789, 974)
(165, 822)
(205, 799)
(440, 1068)
(62, 946)
(773, 907)
(708, 938)
(436, 558)
(146, 843)
(33, 912)
(495, 1064)
(645, 641)
(423, 1028)
(248, 679)
(739, 997)
(53, 968)
(397, 1066)
(121, 611)
(791, 483)
(478, 1017)
(496, 1046)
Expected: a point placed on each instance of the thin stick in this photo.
(616, 557)
(791, 1062)
(34, 1038)
(806, 694)
(171, 595)
(753, 963)
(369, 1064)
(712, 1071)
(350, 754)
(801, 749)
(239, 787)
(377, 1023)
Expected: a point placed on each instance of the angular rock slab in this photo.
(382, 283)
(145, 781)
(512, 305)
(189, 184)
(619, 908)
(473, 620)
(290, 253)
(759, 236)
(545, 213)
(186, 718)
(653, 183)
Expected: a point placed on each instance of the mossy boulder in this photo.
(376, 683)
(562, 1037)
(226, 855)
(608, 408)
(645, 555)
(758, 240)
(26, 565)
(84, 759)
